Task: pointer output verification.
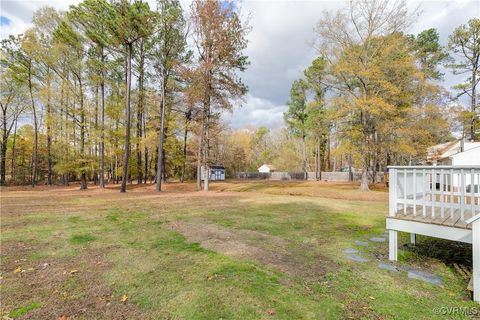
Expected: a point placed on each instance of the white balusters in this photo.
(434, 190)
(415, 192)
(438, 191)
(442, 195)
(405, 192)
(472, 191)
(452, 200)
(462, 195)
(424, 196)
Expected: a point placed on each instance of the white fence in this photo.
(326, 176)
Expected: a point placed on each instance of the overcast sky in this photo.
(278, 47)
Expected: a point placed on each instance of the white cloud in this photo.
(20, 13)
(278, 44)
(14, 26)
(256, 112)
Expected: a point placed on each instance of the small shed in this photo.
(266, 168)
(217, 173)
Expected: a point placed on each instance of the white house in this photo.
(467, 157)
(458, 152)
(266, 168)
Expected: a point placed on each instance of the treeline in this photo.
(118, 92)
(115, 92)
(372, 98)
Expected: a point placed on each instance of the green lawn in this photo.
(266, 255)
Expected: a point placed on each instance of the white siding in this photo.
(467, 158)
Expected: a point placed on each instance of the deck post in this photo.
(476, 260)
(413, 238)
(393, 245)
(392, 234)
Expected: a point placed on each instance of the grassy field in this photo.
(246, 250)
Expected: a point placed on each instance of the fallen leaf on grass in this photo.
(271, 312)
(63, 318)
(124, 298)
(73, 271)
(17, 270)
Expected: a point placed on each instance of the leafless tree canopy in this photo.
(359, 22)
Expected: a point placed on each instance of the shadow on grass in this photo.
(449, 252)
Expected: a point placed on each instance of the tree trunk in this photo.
(117, 160)
(350, 173)
(140, 111)
(83, 174)
(155, 163)
(145, 172)
(206, 146)
(49, 132)
(3, 157)
(364, 180)
(185, 135)
(319, 160)
(327, 164)
(199, 156)
(115, 170)
(127, 117)
(474, 103)
(145, 152)
(35, 127)
(304, 156)
(102, 133)
(96, 143)
(12, 170)
(3, 146)
(161, 137)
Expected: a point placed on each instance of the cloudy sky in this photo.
(278, 48)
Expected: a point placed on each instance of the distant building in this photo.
(455, 153)
(266, 168)
(217, 173)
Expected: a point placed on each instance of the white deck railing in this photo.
(435, 192)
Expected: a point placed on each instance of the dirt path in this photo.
(274, 252)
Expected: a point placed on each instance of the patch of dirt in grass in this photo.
(265, 249)
(356, 309)
(68, 286)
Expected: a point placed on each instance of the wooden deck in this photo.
(445, 220)
(436, 201)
